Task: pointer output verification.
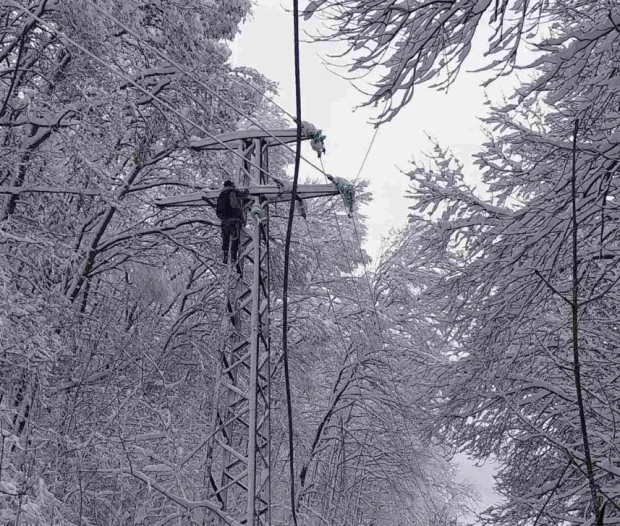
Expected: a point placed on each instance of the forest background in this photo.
(460, 337)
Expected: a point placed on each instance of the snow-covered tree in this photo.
(507, 280)
(111, 309)
(510, 390)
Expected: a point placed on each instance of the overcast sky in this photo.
(329, 102)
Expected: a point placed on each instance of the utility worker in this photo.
(229, 210)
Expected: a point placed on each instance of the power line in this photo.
(143, 90)
(376, 315)
(364, 329)
(357, 237)
(336, 319)
(186, 72)
(287, 253)
(224, 58)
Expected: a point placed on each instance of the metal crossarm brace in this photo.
(271, 192)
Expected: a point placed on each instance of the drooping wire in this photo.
(128, 79)
(287, 253)
(372, 298)
(190, 75)
(223, 58)
(333, 311)
(370, 341)
(357, 237)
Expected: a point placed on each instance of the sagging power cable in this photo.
(287, 253)
(191, 76)
(423, 488)
(131, 81)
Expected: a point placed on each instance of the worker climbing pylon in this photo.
(229, 210)
(238, 453)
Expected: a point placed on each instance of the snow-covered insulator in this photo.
(317, 139)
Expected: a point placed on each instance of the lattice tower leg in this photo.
(239, 457)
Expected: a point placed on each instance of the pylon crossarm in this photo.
(270, 137)
(273, 193)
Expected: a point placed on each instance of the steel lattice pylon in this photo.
(238, 458)
(241, 415)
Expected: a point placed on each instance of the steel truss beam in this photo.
(271, 192)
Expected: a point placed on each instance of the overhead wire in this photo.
(190, 75)
(363, 257)
(332, 308)
(224, 59)
(374, 308)
(131, 81)
(287, 253)
(358, 299)
(364, 330)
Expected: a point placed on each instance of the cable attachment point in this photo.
(283, 186)
(317, 139)
(347, 191)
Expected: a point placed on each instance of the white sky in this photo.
(329, 102)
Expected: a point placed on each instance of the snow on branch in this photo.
(415, 42)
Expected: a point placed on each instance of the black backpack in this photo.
(228, 204)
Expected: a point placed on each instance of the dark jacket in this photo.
(230, 204)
